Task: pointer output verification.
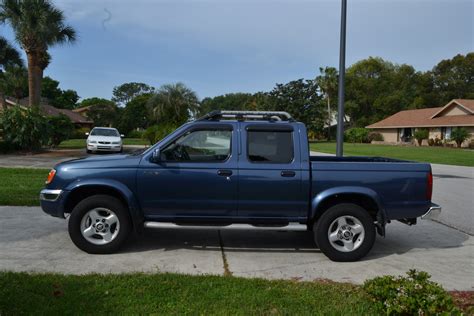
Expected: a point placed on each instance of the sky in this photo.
(223, 46)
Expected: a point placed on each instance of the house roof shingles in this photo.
(422, 118)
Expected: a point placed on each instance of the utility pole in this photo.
(342, 74)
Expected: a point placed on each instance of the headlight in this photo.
(92, 142)
(50, 177)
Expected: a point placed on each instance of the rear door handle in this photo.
(224, 173)
(288, 173)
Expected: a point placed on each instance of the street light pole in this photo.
(342, 73)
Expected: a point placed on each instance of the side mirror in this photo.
(156, 155)
(87, 134)
(122, 135)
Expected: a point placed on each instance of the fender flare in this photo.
(135, 211)
(322, 196)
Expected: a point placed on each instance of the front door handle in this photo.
(288, 173)
(224, 173)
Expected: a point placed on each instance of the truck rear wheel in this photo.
(99, 224)
(345, 232)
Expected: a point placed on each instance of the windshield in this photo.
(104, 132)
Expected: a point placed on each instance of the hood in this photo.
(98, 138)
(101, 161)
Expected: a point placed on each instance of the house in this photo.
(440, 121)
(84, 111)
(78, 120)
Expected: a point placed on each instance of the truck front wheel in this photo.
(99, 224)
(345, 232)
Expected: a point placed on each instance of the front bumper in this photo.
(104, 147)
(433, 212)
(52, 202)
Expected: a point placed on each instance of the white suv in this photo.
(104, 139)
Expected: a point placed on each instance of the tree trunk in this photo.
(34, 98)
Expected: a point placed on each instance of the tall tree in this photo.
(102, 111)
(126, 92)
(38, 25)
(454, 78)
(174, 104)
(64, 99)
(300, 98)
(327, 82)
(230, 101)
(135, 114)
(8, 55)
(14, 82)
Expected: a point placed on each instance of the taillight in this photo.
(429, 186)
(50, 177)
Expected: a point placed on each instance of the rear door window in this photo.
(270, 146)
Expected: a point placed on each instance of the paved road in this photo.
(33, 241)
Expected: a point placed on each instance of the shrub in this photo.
(431, 142)
(412, 295)
(421, 134)
(375, 136)
(155, 133)
(25, 129)
(459, 135)
(80, 133)
(135, 134)
(438, 142)
(357, 135)
(60, 128)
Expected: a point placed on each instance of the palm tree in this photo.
(327, 82)
(14, 81)
(37, 25)
(8, 54)
(173, 103)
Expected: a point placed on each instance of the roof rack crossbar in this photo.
(242, 115)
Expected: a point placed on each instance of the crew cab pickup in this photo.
(245, 170)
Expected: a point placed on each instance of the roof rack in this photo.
(247, 115)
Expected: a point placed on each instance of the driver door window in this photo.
(209, 145)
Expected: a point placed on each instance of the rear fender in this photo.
(320, 198)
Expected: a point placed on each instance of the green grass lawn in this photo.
(22, 293)
(81, 143)
(441, 155)
(21, 186)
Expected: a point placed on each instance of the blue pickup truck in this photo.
(238, 170)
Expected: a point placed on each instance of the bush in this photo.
(438, 142)
(60, 128)
(155, 133)
(459, 135)
(412, 295)
(135, 134)
(80, 133)
(421, 134)
(357, 135)
(375, 136)
(25, 129)
(431, 142)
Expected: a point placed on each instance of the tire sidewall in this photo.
(105, 201)
(322, 226)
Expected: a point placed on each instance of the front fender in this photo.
(133, 205)
(322, 196)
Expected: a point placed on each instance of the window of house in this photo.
(208, 145)
(270, 146)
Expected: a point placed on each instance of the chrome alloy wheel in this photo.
(346, 233)
(100, 226)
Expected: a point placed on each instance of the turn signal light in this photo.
(429, 186)
(51, 175)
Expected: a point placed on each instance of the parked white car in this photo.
(104, 139)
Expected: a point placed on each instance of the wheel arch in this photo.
(364, 197)
(83, 189)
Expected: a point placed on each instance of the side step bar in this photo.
(289, 227)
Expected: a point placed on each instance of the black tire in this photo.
(89, 151)
(322, 226)
(99, 201)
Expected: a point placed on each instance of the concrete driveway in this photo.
(33, 241)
